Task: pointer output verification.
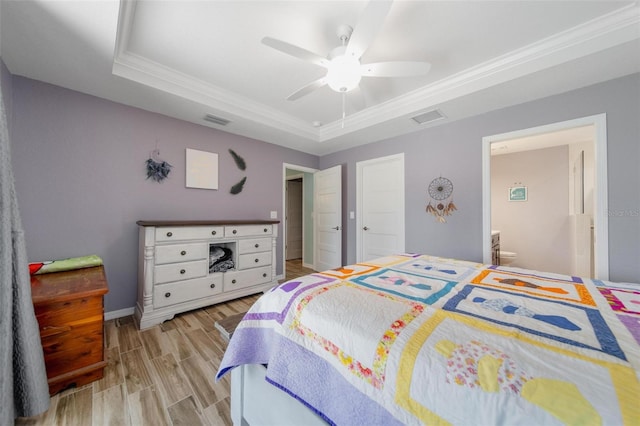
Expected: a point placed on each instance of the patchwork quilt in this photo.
(416, 339)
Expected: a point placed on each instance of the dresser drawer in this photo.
(178, 233)
(254, 245)
(180, 271)
(55, 314)
(254, 260)
(170, 294)
(73, 346)
(247, 230)
(234, 280)
(181, 253)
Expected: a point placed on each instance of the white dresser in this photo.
(174, 273)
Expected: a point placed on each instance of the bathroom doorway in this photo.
(557, 221)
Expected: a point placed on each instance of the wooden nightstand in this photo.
(70, 311)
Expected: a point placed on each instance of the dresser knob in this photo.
(257, 260)
(233, 281)
(167, 294)
(264, 275)
(182, 271)
(183, 252)
(235, 231)
(257, 245)
(213, 232)
(169, 234)
(213, 285)
(265, 229)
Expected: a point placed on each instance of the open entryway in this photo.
(545, 198)
(312, 222)
(297, 220)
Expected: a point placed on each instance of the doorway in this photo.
(305, 176)
(533, 139)
(293, 214)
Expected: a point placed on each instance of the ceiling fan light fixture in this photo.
(343, 73)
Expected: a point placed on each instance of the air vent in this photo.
(216, 120)
(428, 116)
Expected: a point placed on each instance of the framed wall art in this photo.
(518, 193)
(202, 169)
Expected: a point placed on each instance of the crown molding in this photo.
(222, 102)
(607, 31)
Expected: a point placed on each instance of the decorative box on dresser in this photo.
(70, 312)
(174, 272)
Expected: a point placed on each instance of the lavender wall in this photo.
(79, 164)
(455, 151)
(79, 167)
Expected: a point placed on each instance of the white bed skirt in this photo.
(254, 402)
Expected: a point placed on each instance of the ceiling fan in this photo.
(344, 70)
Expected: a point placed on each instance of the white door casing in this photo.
(380, 225)
(327, 189)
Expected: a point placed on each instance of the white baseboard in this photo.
(119, 313)
(308, 265)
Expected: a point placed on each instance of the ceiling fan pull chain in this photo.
(344, 95)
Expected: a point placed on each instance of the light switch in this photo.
(274, 214)
(352, 215)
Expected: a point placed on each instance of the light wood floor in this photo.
(164, 375)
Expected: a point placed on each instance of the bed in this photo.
(417, 339)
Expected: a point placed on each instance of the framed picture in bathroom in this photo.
(518, 193)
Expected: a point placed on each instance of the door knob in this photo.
(366, 228)
(337, 228)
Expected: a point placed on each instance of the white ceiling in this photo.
(186, 59)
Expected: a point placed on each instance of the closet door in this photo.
(380, 206)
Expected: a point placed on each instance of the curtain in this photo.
(23, 379)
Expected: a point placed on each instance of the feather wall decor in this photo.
(237, 188)
(240, 163)
(239, 160)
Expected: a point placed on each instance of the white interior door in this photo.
(380, 205)
(293, 247)
(327, 191)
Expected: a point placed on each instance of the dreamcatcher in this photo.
(157, 169)
(441, 190)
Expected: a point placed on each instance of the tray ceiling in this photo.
(188, 59)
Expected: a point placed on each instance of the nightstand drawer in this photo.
(73, 346)
(254, 260)
(181, 253)
(170, 294)
(60, 313)
(234, 280)
(247, 230)
(180, 271)
(254, 245)
(178, 233)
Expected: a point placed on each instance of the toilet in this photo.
(507, 257)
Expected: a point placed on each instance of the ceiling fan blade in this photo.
(395, 69)
(367, 27)
(305, 90)
(296, 51)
